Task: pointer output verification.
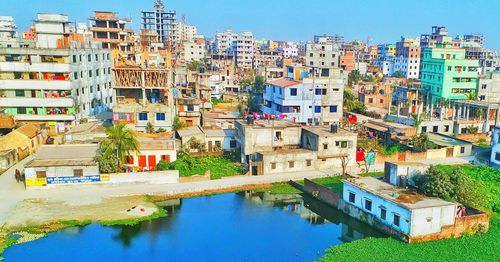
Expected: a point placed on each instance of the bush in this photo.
(108, 163)
(189, 166)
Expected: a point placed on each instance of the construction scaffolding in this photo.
(141, 78)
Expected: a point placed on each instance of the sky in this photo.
(384, 21)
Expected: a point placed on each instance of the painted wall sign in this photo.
(73, 179)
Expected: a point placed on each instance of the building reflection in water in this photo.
(315, 212)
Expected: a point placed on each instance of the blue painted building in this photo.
(406, 212)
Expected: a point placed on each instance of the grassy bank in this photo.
(218, 166)
(482, 247)
(334, 183)
(479, 247)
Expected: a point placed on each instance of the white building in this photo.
(495, 148)
(489, 88)
(294, 98)
(224, 41)
(384, 203)
(55, 79)
(8, 28)
(243, 50)
(182, 32)
(194, 50)
(407, 58)
(290, 50)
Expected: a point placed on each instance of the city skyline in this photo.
(266, 20)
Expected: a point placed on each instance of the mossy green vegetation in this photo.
(218, 166)
(479, 247)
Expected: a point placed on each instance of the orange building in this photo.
(347, 61)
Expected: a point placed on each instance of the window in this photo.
(424, 129)
(41, 174)
(160, 116)
(291, 164)
(446, 128)
(317, 109)
(278, 136)
(325, 146)
(368, 204)
(383, 213)
(190, 108)
(344, 144)
(19, 93)
(232, 143)
(122, 116)
(352, 197)
(90, 73)
(462, 149)
(320, 91)
(435, 129)
(308, 162)
(497, 156)
(333, 109)
(396, 219)
(293, 91)
(21, 110)
(89, 58)
(370, 100)
(75, 75)
(273, 165)
(78, 172)
(143, 116)
(96, 57)
(74, 58)
(97, 72)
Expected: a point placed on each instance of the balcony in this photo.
(34, 67)
(28, 84)
(189, 114)
(36, 102)
(45, 117)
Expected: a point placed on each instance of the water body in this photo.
(247, 226)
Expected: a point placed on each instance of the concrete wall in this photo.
(282, 160)
(430, 220)
(157, 177)
(436, 153)
(495, 148)
(60, 175)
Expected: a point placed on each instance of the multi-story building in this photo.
(111, 31)
(143, 98)
(182, 32)
(194, 50)
(243, 50)
(59, 78)
(161, 21)
(407, 60)
(446, 73)
(322, 55)
(386, 64)
(290, 50)
(347, 61)
(224, 41)
(294, 98)
(489, 88)
(8, 28)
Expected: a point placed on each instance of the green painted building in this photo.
(447, 74)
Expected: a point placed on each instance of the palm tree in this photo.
(121, 141)
(471, 96)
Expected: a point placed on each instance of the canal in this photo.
(246, 226)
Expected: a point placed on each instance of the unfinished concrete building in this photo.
(143, 97)
(159, 20)
(111, 31)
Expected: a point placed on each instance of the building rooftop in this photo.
(446, 141)
(399, 196)
(65, 155)
(7, 121)
(284, 82)
(325, 131)
(268, 123)
(90, 127)
(286, 151)
(29, 130)
(190, 131)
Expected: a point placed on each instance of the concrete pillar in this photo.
(467, 112)
(486, 121)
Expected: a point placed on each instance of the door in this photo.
(209, 146)
(142, 161)
(152, 162)
(449, 152)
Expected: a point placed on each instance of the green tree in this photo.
(150, 128)
(398, 74)
(472, 96)
(120, 141)
(421, 142)
(108, 163)
(352, 104)
(353, 77)
(417, 120)
(195, 65)
(178, 124)
(258, 84)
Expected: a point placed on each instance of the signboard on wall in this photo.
(73, 179)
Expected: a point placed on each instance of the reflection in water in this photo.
(316, 212)
(247, 226)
